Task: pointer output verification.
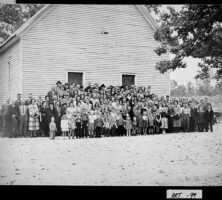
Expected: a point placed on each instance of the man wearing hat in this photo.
(58, 86)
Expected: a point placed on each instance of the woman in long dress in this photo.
(33, 118)
(44, 120)
(176, 116)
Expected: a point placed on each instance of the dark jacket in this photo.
(51, 113)
(85, 117)
(44, 114)
(13, 111)
(18, 102)
(200, 116)
(98, 122)
(51, 95)
(193, 112)
(28, 102)
(209, 116)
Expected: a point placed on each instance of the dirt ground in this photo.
(184, 159)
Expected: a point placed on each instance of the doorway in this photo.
(75, 77)
(128, 80)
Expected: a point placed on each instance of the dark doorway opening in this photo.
(75, 77)
(128, 80)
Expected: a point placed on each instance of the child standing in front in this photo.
(52, 128)
(150, 122)
(134, 125)
(64, 125)
(98, 124)
(157, 121)
(78, 125)
(164, 119)
(145, 122)
(106, 126)
(128, 125)
(91, 127)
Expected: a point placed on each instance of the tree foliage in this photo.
(194, 31)
(13, 16)
(201, 88)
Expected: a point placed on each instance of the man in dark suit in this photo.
(23, 119)
(18, 101)
(13, 116)
(193, 119)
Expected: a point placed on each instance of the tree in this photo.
(196, 31)
(190, 89)
(13, 16)
(173, 84)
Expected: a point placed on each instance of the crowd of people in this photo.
(69, 110)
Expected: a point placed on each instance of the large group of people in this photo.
(69, 110)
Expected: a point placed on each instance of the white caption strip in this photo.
(184, 194)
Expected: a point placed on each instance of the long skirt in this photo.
(176, 122)
(33, 124)
(182, 121)
(164, 122)
(186, 122)
(44, 126)
(6, 126)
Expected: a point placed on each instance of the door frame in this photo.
(77, 71)
(129, 73)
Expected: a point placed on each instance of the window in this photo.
(75, 77)
(128, 80)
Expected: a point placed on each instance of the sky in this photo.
(182, 76)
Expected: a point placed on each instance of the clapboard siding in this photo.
(13, 55)
(69, 38)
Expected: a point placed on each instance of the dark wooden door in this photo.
(128, 80)
(75, 77)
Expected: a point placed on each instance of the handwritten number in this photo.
(193, 195)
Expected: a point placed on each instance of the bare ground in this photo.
(184, 159)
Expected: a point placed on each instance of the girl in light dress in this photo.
(151, 123)
(128, 125)
(113, 125)
(72, 125)
(91, 127)
(52, 128)
(64, 125)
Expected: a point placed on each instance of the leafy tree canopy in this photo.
(196, 31)
(12, 16)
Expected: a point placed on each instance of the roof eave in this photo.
(148, 17)
(9, 42)
(17, 33)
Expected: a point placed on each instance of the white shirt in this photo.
(92, 118)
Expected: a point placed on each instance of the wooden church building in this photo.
(110, 44)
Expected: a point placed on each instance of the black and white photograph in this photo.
(110, 94)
